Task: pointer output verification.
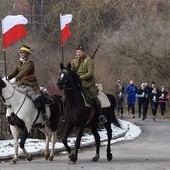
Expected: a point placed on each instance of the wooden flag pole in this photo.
(62, 48)
(62, 54)
(4, 52)
(5, 63)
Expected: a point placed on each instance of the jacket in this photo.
(24, 73)
(131, 93)
(145, 97)
(84, 67)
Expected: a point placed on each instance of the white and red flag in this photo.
(13, 29)
(65, 20)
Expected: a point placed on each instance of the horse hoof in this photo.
(72, 157)
(47, 156)
(51, 158)
(72, 162)
(109, 157)
(12, 162)
(96, 158)
(29, 158)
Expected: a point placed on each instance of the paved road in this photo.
(150, 151)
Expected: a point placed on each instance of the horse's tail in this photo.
(115, 121)
(59, 100)
(55, 112)
(112, 100)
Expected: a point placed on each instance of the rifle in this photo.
(95, 51)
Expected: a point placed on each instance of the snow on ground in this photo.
(130, 130)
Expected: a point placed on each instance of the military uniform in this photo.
(24, 77)
(84, 67)
(24, 74)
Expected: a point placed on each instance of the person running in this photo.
(143, 101)
(131, 91)
(163, 98)
(119, 92)
(154, 100)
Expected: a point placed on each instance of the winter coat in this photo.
(24, 74)
(131, 93)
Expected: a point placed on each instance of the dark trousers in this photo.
(132, 107)
(147, 105)
(162, 108)
(154, 107)
(40, 104)
(120, 107)
(143, 107)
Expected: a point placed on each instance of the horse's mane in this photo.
(76, 78)
(14, 86)
(20, 89)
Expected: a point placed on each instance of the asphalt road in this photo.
(150, 151)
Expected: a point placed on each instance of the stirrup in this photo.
(45, 118)
(102, 119)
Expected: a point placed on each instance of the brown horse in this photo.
(79, 116)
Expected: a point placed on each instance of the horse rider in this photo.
(83, 65)
(23, 76)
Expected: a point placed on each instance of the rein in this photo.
(11, 95)
(4, 100)
(65, 86)
(21, 105)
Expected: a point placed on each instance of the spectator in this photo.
(154, 100)
(119, 98)
(131, 90)
(143, 101)
(163, 98)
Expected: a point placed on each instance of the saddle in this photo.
(48, 98)
(101, 96)
(32, 95)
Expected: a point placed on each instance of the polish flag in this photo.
(64, 26)
(13, 29)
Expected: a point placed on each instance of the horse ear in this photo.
(69, 66)
(61, 66)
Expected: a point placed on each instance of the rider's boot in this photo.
(42, 109)
(102, 118)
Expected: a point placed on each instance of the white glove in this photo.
(12, 81)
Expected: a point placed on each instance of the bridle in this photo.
(5, 99)
(65, 80)
(11, 94)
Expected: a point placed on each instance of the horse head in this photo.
(2, 85)
(68, 79)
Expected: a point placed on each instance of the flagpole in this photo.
(4, 52)
(62, 54)
(5, 63)
(62, 48)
